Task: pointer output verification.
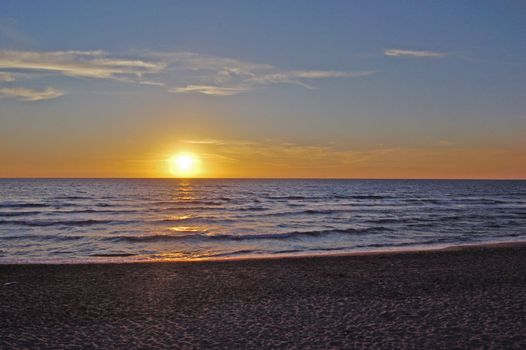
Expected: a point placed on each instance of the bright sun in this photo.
(184, 164)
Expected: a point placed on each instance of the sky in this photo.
(283, 89)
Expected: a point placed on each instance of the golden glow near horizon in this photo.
(184, 164)
(252, 158)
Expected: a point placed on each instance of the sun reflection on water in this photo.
(188, 228)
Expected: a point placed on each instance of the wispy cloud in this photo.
(180, 72)
(211, 90)
(226, 77)
(414, 53)
(299, 77)
(31, 94)
(88, 64)
(320, 74)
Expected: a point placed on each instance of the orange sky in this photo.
(252, 159)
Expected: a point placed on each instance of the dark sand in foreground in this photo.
(467, 298)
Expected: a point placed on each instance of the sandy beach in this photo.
(459, 298)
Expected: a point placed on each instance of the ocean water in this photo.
(72, 220)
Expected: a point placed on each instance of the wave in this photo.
(54, 205)
(424, 224)
(467, 201)
(61, 212)
(307, 212)
(425, 201)
(254, 208)
(42, 237)
(226, 237)
(23, 205)
(193, 219)
(325, 211)
(237, 252)
(294, 197)
(109, 255)
(72, 197)
(106, 205)
(480, 201)
(389, 220)
(179, 208)
(62, 222)
(186, 202)
(296, 204)
(18, 213)
(416, 243)
(96, 211)
(366, 197)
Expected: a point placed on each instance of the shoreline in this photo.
(94, 260)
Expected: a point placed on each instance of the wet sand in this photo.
(459, 298)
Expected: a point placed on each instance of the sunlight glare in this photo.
(184, 164)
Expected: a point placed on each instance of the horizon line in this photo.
(260, 178)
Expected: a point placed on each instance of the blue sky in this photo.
(344, 76)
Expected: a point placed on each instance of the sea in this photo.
(126, 220)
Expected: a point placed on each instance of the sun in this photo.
(184, 164)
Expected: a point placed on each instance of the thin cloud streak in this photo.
(220, 76)
(201, 74)
(226, 83)
(31, 94)
(210, 90)
(320, 74)
(87, 64)
(414, 53)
